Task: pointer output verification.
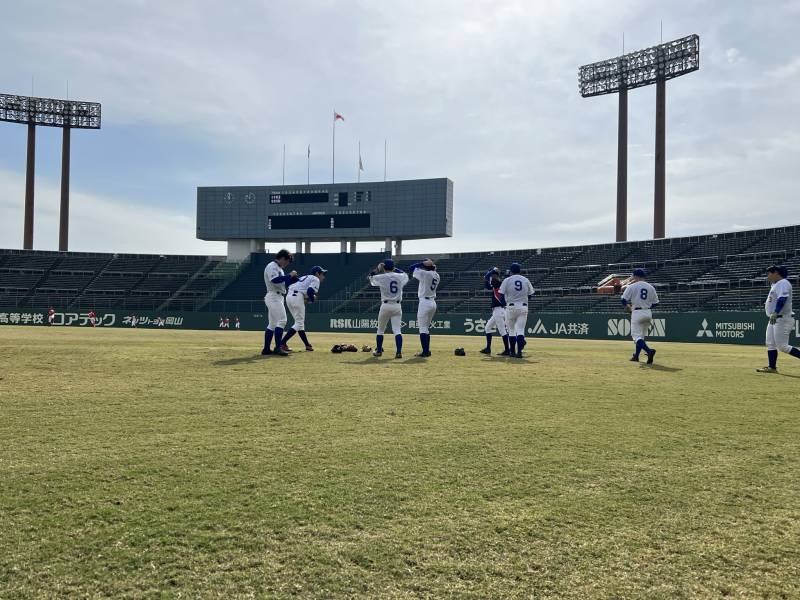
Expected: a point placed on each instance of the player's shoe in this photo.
(280, 352)
(285, 348)
(517, 355)
(266, 352)
(504, 353)
(485, 351)
(377, 353)
(398, 355)
(634, 359)
(767, 370)
(650, 356)
(309, 348)
(422, 354)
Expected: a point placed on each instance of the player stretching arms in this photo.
(638, 298)
(304, 290)
(781, 320)
(391, 281)
(276, 282)
(498, 319)
(515, 292)
(425, 272)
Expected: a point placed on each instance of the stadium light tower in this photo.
(66, 114)
(637, 69)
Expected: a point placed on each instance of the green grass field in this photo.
(141, 463)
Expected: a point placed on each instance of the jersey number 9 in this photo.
(518, 285)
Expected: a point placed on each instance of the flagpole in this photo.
(333, 153)
(358, 166)
(384, 158)
(283, 173)
(308, 166)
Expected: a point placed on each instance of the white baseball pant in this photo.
(425, 312)
(516, 319)
(497, 321)
(297, 306)
(778, 334)
(640, 323)
(390, 311)
(276, 310)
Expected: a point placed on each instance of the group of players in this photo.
(510, 297)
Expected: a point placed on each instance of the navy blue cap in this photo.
(317, 269)
(388, 264)
(515, 267)
(639, 273)
(780, 270)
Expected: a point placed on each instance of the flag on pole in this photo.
(360, 164)
(309, 151)
(337, 117)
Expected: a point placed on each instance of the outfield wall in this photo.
(701, 327)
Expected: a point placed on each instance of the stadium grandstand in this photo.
(720, 272)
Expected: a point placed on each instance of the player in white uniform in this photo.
(515, 291)
(638, 299)
(276, 281)
(391, 281)
(425, 272)
(303, 290)
(781, 320)
(497, 322)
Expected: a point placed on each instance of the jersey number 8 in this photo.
(643, 293)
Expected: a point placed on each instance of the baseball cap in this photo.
(317, 269)
(388, 263)
(515, 267)
(639, 273)
(779, 269)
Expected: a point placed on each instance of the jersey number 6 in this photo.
(393, 287)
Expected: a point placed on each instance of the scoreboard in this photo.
(412, 209)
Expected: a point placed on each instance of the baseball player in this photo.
(425, 272)
(276, 281)
(303, 290)
(238, 323)
(51, 316)
(638, 299)
(781, 320)
(515, 291)
(391, 282)
(497, 322)
(92, 318)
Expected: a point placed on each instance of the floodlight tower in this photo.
(637, 69)
(66, 114)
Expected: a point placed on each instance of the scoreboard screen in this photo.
(319, 222)
(333, 212)
(297, 198)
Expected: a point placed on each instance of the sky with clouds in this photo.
(483, 92)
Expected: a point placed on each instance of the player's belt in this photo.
(428, 297)
(294, 293)
(523, 304)
(391, 301)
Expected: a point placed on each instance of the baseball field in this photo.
(139, 463)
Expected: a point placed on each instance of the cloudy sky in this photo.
(483, 92)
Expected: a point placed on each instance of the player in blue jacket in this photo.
(497, 322)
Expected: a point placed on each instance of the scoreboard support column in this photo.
(352, 246)
(343, 246)
(298, 247)
(398, 247)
